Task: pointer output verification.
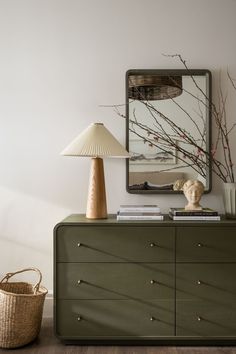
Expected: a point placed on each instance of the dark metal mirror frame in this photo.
(169, 72)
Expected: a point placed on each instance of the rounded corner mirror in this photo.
(168, 129)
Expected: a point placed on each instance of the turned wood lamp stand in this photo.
(96, 204)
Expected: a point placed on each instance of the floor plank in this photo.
(47, 343)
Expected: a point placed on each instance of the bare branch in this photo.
(164, 133)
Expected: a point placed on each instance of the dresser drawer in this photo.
(213, 282)
(205, 319)
(114, 244)
(206, 244)
(115, 281)
(114, 318)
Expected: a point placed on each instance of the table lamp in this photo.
(96, 142)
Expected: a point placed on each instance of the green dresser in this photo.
(141, 282)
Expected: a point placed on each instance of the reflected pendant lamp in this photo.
(154, 87)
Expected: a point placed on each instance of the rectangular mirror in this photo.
(168, 130)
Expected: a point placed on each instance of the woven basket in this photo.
(21, 308)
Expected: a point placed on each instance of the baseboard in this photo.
(48, 306)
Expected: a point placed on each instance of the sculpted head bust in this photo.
(193, 190)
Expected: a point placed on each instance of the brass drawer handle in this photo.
(79, 244)
(199, 318)
(200, 244)
(79, 281)
(152, 281)
(79, 318)
(152, 244)
(152, 318)
(199, 282)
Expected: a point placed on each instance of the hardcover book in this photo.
(140, 208)
(139, 216)
(191, 217)
(183, 212)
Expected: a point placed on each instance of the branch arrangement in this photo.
(164, 133)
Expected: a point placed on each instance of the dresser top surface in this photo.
(74, 219)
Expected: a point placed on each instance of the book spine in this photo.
(140, 210)
(194, 213)
(135, 217)
(206, 218)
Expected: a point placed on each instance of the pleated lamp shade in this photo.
(96, 142)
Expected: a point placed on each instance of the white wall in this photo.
(60, 60)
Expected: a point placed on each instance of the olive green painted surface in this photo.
(115, 281)
(114, 244)
(114, 260)
(213, 282)
(205, 319)
(204, 244)
(105, 318)
(80, 219)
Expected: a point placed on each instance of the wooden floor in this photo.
(48, 344)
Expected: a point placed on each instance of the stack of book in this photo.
(204, 214)
(139, 212)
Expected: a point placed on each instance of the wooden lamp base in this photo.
(96, 204)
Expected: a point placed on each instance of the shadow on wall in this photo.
(51, 178)
(19, 256)
(26, 232)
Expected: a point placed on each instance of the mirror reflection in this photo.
(168, 129)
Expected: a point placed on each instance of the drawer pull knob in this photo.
(79, 281)
(200, 244)
(199, 318)
(152, 318)
(152, 244)
(79, 244)
(79, 318)
(152, 281)
(199, 282)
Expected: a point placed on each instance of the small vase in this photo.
(229, 196)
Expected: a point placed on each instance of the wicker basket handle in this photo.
(36, 286)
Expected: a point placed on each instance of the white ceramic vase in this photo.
(229, 196)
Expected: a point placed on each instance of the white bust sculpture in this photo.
(193, 190)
